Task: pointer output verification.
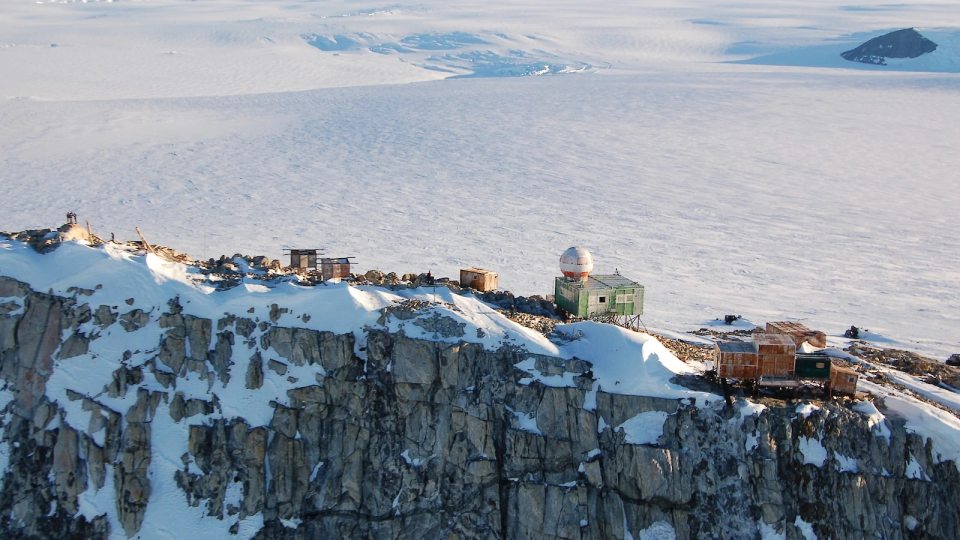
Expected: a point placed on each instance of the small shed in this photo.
(777, 354)
(303, 259)
(843, 380)
(335, 267)
(799, 332)
(736, 359)
(479, 279)
(610, 294)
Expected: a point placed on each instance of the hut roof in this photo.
(735, 347)
(773, 339)
(606, 281)
(477, 270)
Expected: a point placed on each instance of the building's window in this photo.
(603, 299)
(624, 298)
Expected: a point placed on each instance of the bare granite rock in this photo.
(396, 437)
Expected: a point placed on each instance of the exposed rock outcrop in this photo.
(906, 43)
(395, 437)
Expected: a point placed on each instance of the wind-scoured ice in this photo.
(460, 54)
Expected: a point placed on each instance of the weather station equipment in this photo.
(605, 297)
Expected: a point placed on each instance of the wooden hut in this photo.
(777, 355)
(843, 380)
(335, 267)
(302, 260)
(799, 332)
(479, 279)
(736, 359)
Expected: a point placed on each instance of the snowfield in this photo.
(656, 136)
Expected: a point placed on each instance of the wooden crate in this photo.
(736, 360)
(777, 365)
(798, 332)
(843, 380)
(738, 366)
(774, 344)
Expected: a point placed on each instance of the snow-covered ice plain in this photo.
(663, 136)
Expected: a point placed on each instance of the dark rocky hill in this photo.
(906, 43)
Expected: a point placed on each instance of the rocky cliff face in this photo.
(395, 436)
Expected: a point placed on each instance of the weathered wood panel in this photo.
(777, 365)
(843, 380)
(479, 279)
(736, 365)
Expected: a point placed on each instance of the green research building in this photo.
(599, 295)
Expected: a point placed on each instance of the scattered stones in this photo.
(442, 326)
(533, 305)
(726, 334)
(276, 311)
(45, 240)
(404, 310)
(908, 362)
(374, 276)
(688, 352)
(541, 324)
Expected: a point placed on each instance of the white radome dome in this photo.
(576, 262)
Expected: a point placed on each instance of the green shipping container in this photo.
(813, 366)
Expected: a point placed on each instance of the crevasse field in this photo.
(719, 152)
